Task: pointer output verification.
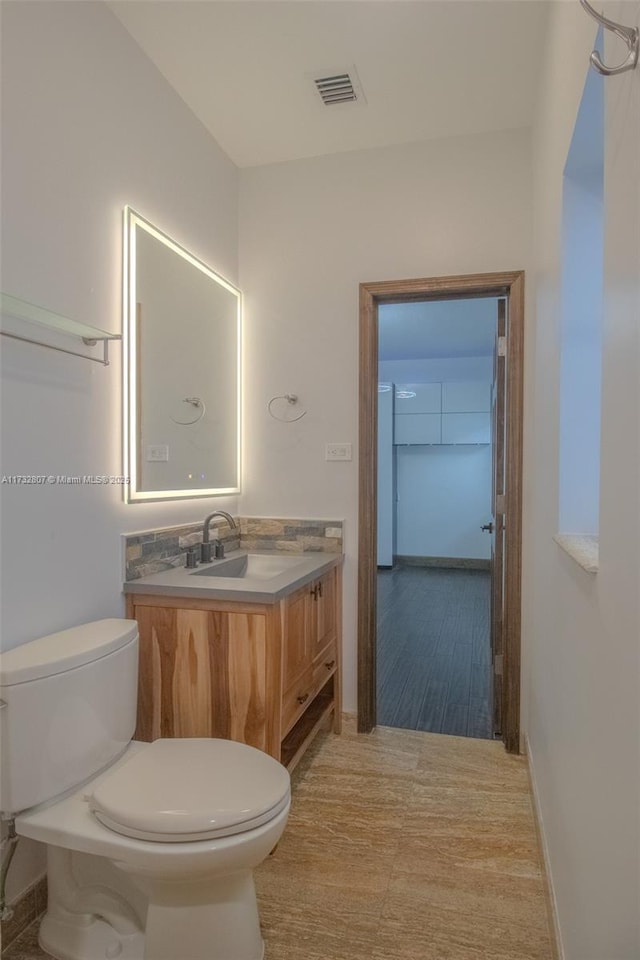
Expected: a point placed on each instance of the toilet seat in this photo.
(173, 791)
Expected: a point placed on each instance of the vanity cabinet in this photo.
(266, 674)
(310, 647)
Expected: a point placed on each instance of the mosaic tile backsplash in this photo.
(156, 550)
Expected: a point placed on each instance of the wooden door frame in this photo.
(511, 286)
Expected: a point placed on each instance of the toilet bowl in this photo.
(151, 856)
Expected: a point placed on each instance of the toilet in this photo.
(151, 847)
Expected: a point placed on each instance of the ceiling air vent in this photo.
(338, 88)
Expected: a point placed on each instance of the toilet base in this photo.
(202, 918)
(95, 940)
(216, 920)
(99, 941)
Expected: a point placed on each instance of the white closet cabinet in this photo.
(466, 416)
(442, 413)
(418, 413)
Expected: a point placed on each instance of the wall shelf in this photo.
(47, 319)
(304, 731)
(583, 548)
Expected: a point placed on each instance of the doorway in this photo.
(437, 378)
(505, 524)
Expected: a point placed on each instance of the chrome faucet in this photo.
(207, 547)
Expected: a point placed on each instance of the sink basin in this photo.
(252, 565)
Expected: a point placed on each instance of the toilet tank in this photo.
(70, 709)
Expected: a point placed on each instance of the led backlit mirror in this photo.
(182, 370)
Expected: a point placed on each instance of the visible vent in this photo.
(338, 88)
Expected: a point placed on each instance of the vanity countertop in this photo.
(181, 582)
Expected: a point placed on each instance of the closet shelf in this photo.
(90, 336)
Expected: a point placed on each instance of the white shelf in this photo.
(47, 319)
(581, 548)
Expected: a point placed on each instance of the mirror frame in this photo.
(132, 494)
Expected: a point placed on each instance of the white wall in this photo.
(311, 231)
(580, 359)
(444, 497)
(581, 314)
(443, 492)
(88, 125)
(581, 630)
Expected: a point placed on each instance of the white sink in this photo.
(253, 566)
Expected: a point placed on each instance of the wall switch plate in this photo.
(157, 452)
(337, 451)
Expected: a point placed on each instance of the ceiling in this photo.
(437, 330)
(428, 68)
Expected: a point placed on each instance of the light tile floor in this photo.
(401, 845)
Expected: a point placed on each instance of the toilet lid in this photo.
(191, 789)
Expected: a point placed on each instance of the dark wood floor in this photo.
(434, 650)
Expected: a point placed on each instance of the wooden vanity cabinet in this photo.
(310, 646)
(264, 674)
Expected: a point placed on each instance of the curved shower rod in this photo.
(630, 36)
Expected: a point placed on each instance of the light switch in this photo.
(337, 451)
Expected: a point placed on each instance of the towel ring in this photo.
(195, 402)
(292, 399)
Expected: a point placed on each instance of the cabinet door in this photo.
(202, 674)
(471, 396)
(417, 398)
(297, 650)
(466, 428)
(416, 428)
(323, 614)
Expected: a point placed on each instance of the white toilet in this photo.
(151, 846)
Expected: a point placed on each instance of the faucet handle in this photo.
(206, 552)
(191, 560)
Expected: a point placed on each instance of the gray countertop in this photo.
(180, 582)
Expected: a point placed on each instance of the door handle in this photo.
(488, 527)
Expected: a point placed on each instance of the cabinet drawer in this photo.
(296, 699)
(323, 666)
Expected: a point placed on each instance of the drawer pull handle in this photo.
(305, 696)
(330, 665)
(314, 593)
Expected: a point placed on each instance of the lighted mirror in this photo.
(182, 370)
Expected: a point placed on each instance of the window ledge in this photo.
(581, 548)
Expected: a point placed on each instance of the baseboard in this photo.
(543, 849)
(26, 908)
(449, 563)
